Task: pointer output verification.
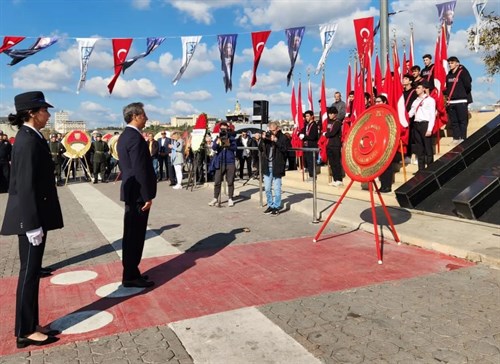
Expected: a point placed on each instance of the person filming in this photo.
(274, 152)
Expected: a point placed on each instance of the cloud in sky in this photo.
(141, 4)
(201, 11)
(199, 95)
(142, 87)
(47, 75)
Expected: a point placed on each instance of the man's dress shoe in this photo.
(46, 272)
(23, 342)
(138, 283)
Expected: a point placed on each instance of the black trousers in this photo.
(248, 162)
(164, 162)
(334, 160)
(423, 145)
(134, 233)
(4, 176)
(28, 285)
(458, 116)
(229, 171)
(309, 163)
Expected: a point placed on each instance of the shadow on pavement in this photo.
(398, 216)
(163, 273)
(102, 250)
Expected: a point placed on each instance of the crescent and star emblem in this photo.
(118, 54)
(10, 42)
(260, 44)
(364, 30)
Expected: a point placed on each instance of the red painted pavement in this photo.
(204, 282)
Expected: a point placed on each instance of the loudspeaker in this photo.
(261, 111)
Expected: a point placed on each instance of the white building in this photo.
(190, 120)
(60, 117)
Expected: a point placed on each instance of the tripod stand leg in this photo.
(375, 225)
(67, 169)
(388, 216)
(335, 207)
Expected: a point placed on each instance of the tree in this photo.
(489, 42)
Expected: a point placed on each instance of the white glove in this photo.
(35, 237)
(301, 136)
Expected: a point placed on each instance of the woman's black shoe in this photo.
(385, 190)
(23, 342)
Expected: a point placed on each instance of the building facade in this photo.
(178, 121)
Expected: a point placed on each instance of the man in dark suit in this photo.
(164, 155)
(138, 190)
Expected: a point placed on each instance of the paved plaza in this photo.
(234, 285)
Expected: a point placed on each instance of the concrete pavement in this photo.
(442, 309)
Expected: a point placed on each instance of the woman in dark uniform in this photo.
(32, 209)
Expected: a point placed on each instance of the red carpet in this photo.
(204, 282)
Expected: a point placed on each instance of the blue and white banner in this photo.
(478, 8)
(152, 44)
(227, 46)
(294, 37)
(86, 46)
(188, 47)
(327, 33)
(446, 13)
(18, 55)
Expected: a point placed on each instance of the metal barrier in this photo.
(314, 151)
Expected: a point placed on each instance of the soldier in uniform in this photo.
(100, 149)
(57, 150)
(5, 152)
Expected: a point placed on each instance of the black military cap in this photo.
(30, 100)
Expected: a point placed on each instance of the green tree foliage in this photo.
(489, 43)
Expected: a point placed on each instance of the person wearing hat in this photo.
(5, 153)
(458, 89)
(57, 150)
(100, 150)
(333, 133)
(423, 110)
(32, 210)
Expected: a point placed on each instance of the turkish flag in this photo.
(121, 46)
(259, 40)
(201, 122)
(398, 103)
(363, 29)
(9, 42)
(440, 55)
(323, 141)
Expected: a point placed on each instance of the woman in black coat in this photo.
(32, 210)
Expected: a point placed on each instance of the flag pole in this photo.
(384, 33)
(401, 150)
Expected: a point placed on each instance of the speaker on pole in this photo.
(260, 111)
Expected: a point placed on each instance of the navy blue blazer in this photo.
(33, 200)
(136, 166)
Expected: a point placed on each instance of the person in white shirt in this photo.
(424, 111)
